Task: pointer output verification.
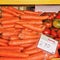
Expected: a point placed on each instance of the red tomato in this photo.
(48, 24)
(55, 29)
(58, 15)
(52, 15)
(46, 31)
(58, 33)
(53, 33)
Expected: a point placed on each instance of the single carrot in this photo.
(26, 36)
(18, 30)
(9, 29)
(5, 53)
(3, 44)
(11, 48)
(9, 33)
(32, 47)
(29, 32)
(14, 37)
(9, 20)
(26, 45)
(32, 51)
(4, 14)
(12, 29)
(37, 56)
(15, 10)
(19, 42)
(11, 58)
(9, 25)
(3, 40)
(1, 29)
(30, 17)
(5, 9)
(33, 27)
(32, 12)
(18, 26)
(30, 22)
(6, 37)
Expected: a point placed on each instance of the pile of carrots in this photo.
(19, 35)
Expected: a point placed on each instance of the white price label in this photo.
(47, 44)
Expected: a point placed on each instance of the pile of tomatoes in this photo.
(52, 26)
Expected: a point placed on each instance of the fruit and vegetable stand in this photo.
(26, 34)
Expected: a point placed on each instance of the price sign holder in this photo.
(48, 44)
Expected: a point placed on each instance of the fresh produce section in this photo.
(52, 26)
(20, 31)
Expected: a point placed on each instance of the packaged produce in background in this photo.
(20, 32)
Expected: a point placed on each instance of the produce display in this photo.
(52, 26)
(20, 32)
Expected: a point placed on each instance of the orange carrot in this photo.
(11, 48)
(30, 22)
(4, 9)
(32, 13)
(10, 32)
(37, 56)
(9, 20)
(1, 29)
(4, 14)
(34, 28)
(11, 58)
(18, 30)
(32, 47)
(18, 26)
(6, 37)
(29, 32)
(3, 40)
(9, 25)
(26, 36)
(5, 53)
(15, 10)
(14, 37)
(19, 42)
(32, 51)
(3, 44)
(30, 17)
(9, 29)
(26, 45)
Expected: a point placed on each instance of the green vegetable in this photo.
(56, 23)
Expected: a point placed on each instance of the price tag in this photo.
(48, 44)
